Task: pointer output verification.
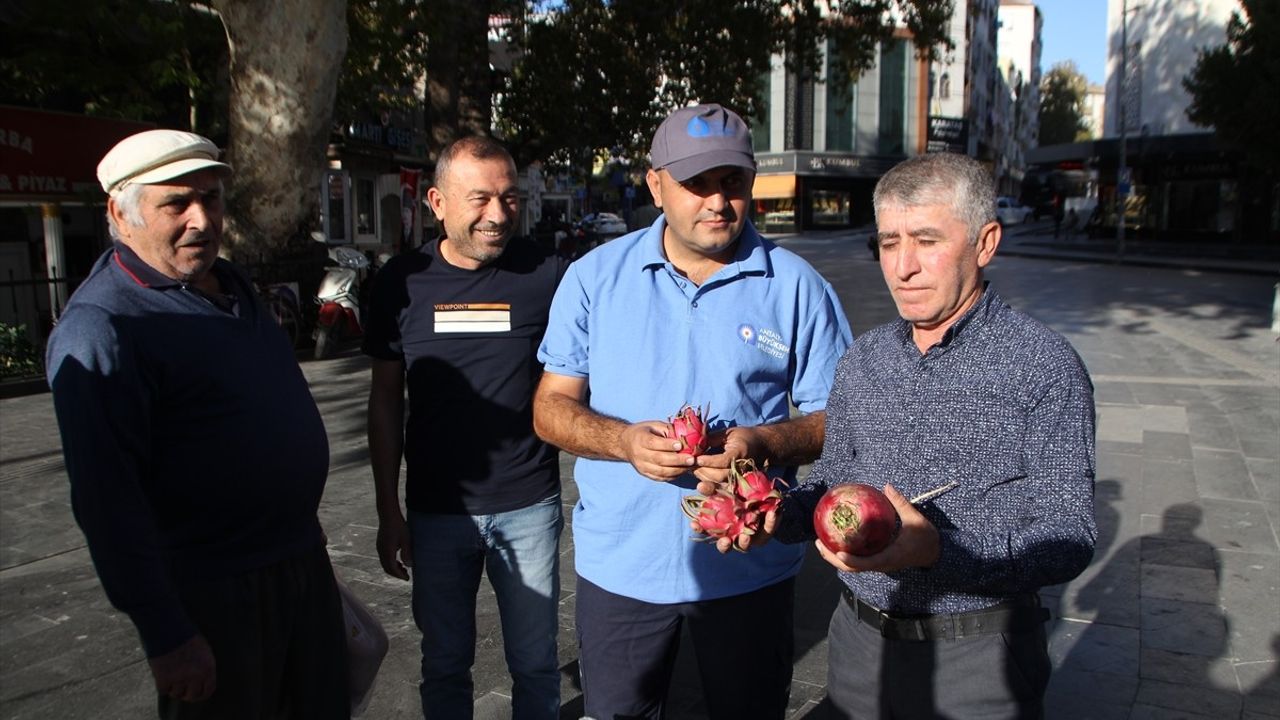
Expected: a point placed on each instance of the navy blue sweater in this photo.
(193, 445)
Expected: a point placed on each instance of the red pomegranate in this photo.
(856, 519)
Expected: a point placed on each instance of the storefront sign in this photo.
(823, 164)
(948, 134)
(392, 136)
(52, 155)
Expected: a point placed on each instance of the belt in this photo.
(1018, 615)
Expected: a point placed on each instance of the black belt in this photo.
(1018, 615)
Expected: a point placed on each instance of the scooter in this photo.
(339, 300)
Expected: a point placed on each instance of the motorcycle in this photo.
(339, 301)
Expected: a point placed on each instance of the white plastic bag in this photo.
(366, 647)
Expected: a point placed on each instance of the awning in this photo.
(772, 187)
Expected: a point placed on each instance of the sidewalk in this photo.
(1177, 617)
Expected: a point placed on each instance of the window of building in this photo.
(365, 217)
(799, 113)
(830, 208)
(760, 123)
(842, 93)
(944, 87)
(893, 98)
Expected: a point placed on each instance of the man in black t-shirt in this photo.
(458, 322)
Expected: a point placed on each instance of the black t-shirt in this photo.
(469, 341)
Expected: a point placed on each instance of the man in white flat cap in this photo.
(195, 451)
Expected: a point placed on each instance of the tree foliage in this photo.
(1062, 109)
(597, 76)
(131, 59)
(1234, 86)
(386, 57)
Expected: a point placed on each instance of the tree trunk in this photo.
(285, 57)
(458, 76)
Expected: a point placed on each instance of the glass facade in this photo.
(842, 94)
(893, 98)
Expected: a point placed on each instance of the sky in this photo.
(1075, 30)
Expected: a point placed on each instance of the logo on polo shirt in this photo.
(765, 340)
(473, 318)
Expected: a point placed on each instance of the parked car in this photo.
(1010, 212)
(605, 226)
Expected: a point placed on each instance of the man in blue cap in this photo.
(698, 308)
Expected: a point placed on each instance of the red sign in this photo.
(53, 156)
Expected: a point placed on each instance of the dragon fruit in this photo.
(689, 427)
(736, 509)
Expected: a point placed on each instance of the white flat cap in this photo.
(153, 156)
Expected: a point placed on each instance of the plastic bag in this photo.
(366, 647)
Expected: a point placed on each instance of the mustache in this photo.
(197, 237)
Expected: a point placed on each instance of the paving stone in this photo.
(1113, 393)
(1123, 423)
(1176, 626)
(1266, 477)
(1223, 474)
(1159, 445)
(1166, 483)
(1095, 648)
(1238, 525)
(1161, 550)
(1101, 687)
(1187, 584)
(1187, 669)
(1259, 682)
(1212, 431)
(1196, 701)
(1251, 600)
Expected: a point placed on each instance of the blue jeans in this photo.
(520, 550)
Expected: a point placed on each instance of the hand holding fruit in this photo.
(916, 543)
(652, 452)
(738, 514)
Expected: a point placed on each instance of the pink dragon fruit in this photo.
(736, 509)
(689, 427)
(757, 490)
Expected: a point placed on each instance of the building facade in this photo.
(821, 144)
(1018, 49)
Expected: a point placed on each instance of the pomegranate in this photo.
(856, 519)
(689, 427)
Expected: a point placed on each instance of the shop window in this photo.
(775, 215)
(366, 217)
(830, 208)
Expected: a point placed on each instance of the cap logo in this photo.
(699, 127)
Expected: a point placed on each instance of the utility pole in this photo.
(1121, 102)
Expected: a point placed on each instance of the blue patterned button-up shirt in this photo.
(1002, 405)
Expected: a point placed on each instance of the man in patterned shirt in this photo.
(963, 389)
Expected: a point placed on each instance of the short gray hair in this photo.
(129, 200)
(941, 179)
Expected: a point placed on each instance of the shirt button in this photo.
(695, 303)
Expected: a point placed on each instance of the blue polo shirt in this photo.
(763, 333)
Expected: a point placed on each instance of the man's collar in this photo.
(751, 255)
(988, 304)
(140, 272)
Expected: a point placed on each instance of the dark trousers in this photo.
(1002, 675)
(278, 643)
(744, 646)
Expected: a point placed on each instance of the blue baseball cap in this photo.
(695, 139)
